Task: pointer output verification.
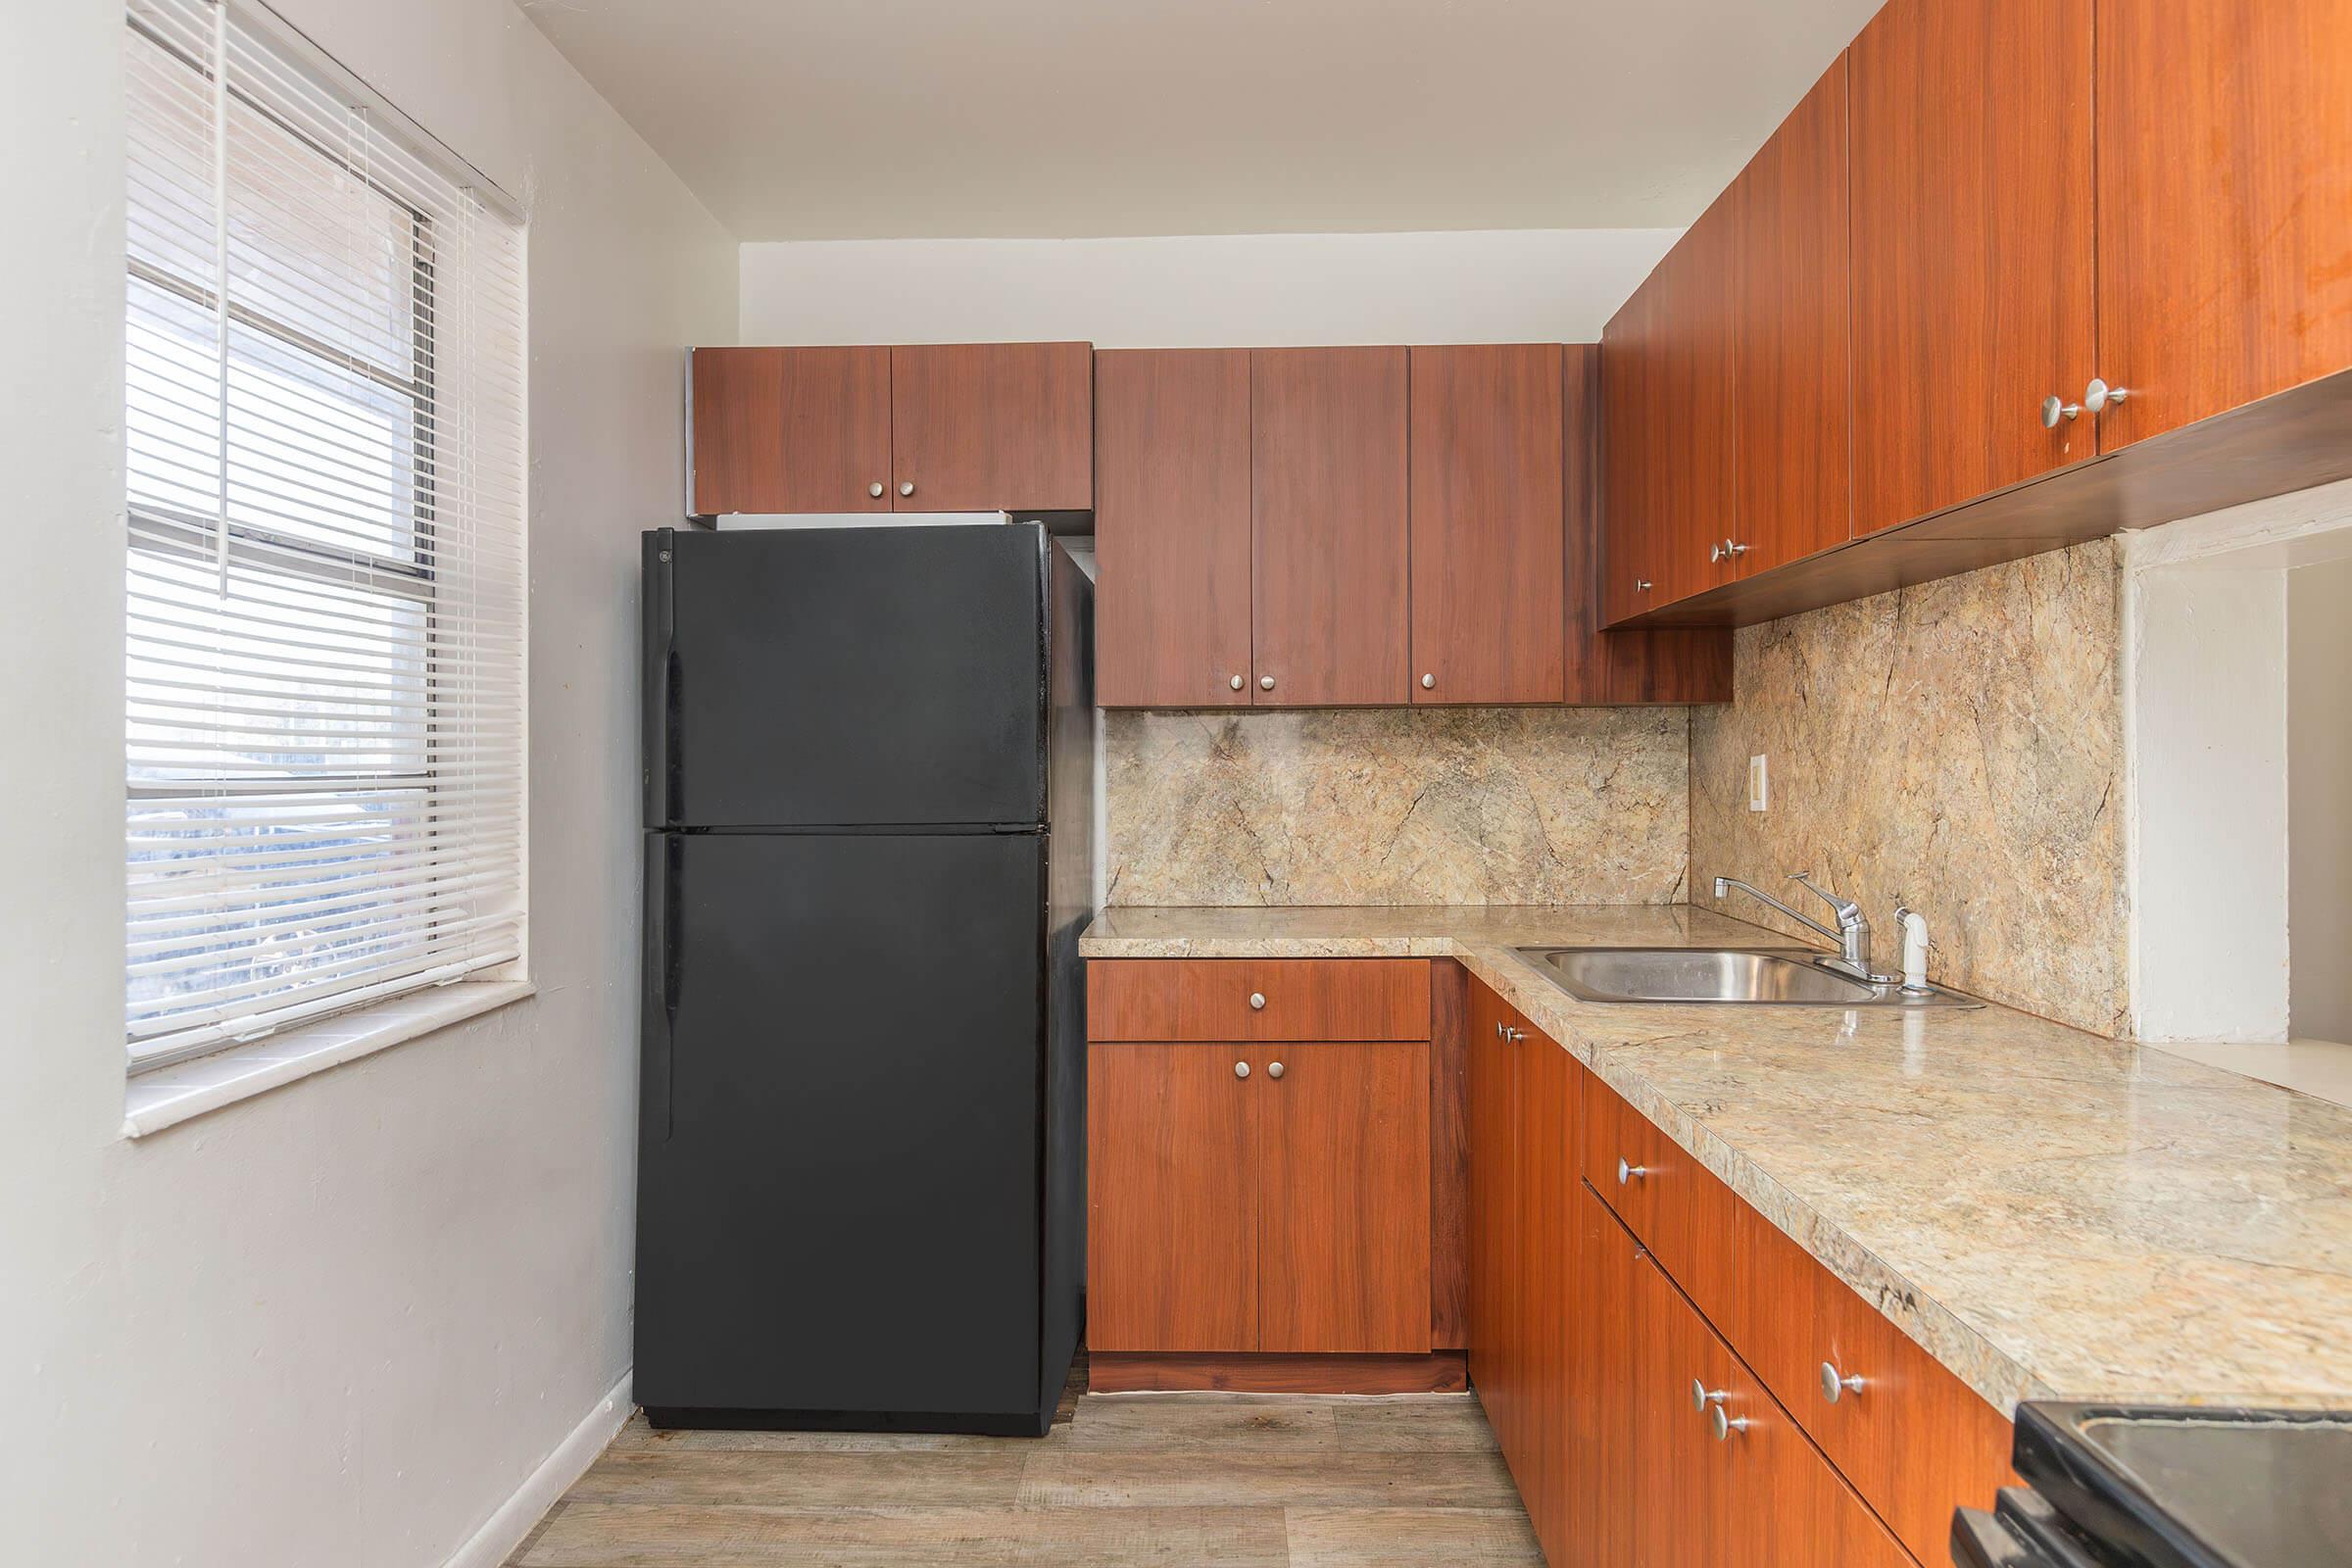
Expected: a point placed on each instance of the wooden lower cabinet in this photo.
(1610, 1316)
(1259, 1198)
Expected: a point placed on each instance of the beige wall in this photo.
(1957, 747)
(1398, 805)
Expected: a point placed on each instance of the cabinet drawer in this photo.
(1258, 999)
(1664, 1197)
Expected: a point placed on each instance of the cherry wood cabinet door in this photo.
(1973, 267)
(1328, 450)
(983, 427)
(1173, 527)
(1693, 407)
(1601, 1449)
(1634, 427)
(1496, 1283)
(1342, 1214)
(791, 430)
(2225, 215)
(1172, 1195)
(1548, 1180)
(1681, 1496)
(1791, 349)
(1489, 577)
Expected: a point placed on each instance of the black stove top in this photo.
(2143, 1487)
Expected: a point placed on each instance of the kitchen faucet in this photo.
(1852, 935)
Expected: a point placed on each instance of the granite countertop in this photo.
(2051, 1215)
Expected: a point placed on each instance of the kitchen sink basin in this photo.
(1756, 976)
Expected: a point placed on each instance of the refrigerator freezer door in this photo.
(839, 1167)
(842, 677)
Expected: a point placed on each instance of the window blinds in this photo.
(325, 462)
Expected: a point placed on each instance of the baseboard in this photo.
(505, 1527)
(1161, 1372)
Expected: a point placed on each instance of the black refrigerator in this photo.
(869, 803)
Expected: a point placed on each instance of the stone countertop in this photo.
(2051, 1215)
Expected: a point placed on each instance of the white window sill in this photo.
(170, 1095)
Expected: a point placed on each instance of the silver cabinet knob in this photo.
(1258, 1002)
(1265, 683)
(2052, 411)
(906, 487)
(1241, 1070)
(1715, 551)
(1733, 547)
(1629, 1173)
(1513, 1036)
(1427, 682)
(1273, 1069)
(1725, 1425)
(1640, 585)
(1833, 1386)
(1498, 1028)
(1702, 1395)
(2097, 395)
(874, 489)
(1235, 683)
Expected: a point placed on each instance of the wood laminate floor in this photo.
(1170, 1481)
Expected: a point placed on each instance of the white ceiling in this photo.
(885, 119)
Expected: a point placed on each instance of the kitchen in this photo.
(1259, 844)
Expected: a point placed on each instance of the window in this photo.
(324, 464)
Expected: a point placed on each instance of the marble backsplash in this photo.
(1398, 805)
(1957, 747)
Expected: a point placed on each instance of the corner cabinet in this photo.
(934, 427)
(1362, 527)
(1259, 1175)
(1648, 1349)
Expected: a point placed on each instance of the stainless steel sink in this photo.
(1756, 976)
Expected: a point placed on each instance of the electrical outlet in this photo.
(1759, 791)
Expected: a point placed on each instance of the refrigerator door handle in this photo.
(660, 1019)
(661, 677)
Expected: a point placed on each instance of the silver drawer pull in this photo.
(1725, 1425)
(1627, 1173)
(1702, 1395)
(1258, 1002)
(1241, 1070)
(1834, 1387)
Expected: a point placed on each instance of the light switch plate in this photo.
(1759, 793)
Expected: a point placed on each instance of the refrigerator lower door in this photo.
(839, 1178)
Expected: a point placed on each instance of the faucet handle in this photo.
(1847, 910)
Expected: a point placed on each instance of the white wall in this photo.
(341, 1322)
(1490, 286)
(2318, 798)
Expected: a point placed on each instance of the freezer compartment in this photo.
(842, 1205)
(845, 677)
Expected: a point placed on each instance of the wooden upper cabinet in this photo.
(1172, 1191)
(1970, 152)
(1632, 452)
(984, 427)
(1173, 527)
(2224, 211)
(1690, 402)
(1343, 1139)
(1328, 440)
(1488, 574)
(791, 430)
(1790, 350)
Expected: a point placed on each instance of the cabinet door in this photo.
(1548, 1183)
(1173, 527)
(987, 427)
(1328, 440)
(1343, 1133)
(1487, 574)
(1791, 351)
(1633, 427)
(1970, 152)
(791, 430)
(1172, 1192)
(1692, 408)
(1496, 1283)
(1601, 1449)
(2224, 204)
